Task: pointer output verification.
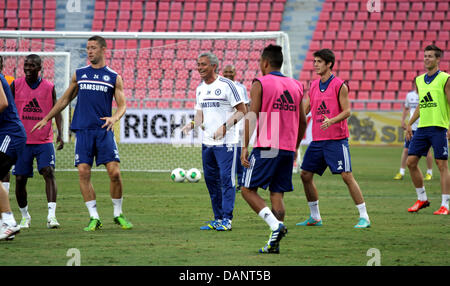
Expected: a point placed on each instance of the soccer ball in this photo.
(178, 175)
(193, 175)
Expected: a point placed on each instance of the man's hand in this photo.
(109, 123)
(60, 142)
(408, 132)
(186, 128)
(244, 157)
(220, 132)
(404, 125)
(325, 123)
(39, 125)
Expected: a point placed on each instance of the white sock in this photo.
(421, 194)
(24, 212)
(314, 208)
(117, 203)
(51, 210)
(445, 199)
(267, 215)
(402, 171)
(430, 171)
(6, 186)
(363, 211)
(92, 208)
(8, 218)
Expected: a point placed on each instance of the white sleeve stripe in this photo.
(233, 89)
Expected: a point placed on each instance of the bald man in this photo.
(230, 72)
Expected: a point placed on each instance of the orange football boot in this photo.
(418, 205)
(442, 211)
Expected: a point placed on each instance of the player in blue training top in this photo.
(12, 143)
(93, 122)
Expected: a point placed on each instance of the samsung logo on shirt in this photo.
(210, 104)
(94, 87)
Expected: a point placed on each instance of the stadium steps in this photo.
(299, 20)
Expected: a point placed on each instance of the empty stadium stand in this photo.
(166, 68)
(379, 53)
(27, 15)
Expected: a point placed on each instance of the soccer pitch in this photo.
(167, 217)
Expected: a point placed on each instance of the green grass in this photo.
(167, 217)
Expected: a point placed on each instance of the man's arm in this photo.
(307, 105)
(301, 125)
(70, 93)
(241, 110)
(404, 113)
(119, 96)
(198, 121)
(58, 120)
(3, 99)
(250, 119)
(411, 121)
(344, 102)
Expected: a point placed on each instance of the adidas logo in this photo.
(427, 101)
(32, 106)
(322, 109)
(84, 76)
(285, 102)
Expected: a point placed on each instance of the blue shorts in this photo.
(426, 137)
(408, 142)
(10, 146)
(95, 143)
(272, 169)
(44, 154)
(334, 154)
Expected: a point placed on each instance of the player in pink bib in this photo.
(277, 111)
(330, 107)
(35, 97)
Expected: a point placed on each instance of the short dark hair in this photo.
(274, 54)
(35, 58)
(437, 52)
(327, 55)
(98, 39)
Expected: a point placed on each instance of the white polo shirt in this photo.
(217, 101)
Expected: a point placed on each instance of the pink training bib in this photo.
(278, 122)
(32, 106)
(326, 103)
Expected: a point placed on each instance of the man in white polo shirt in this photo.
(219, 106)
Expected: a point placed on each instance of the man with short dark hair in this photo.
(229, 72)
(93, 122)
(434, 112)
(276, 110)
(330, 107)
(35, 97)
